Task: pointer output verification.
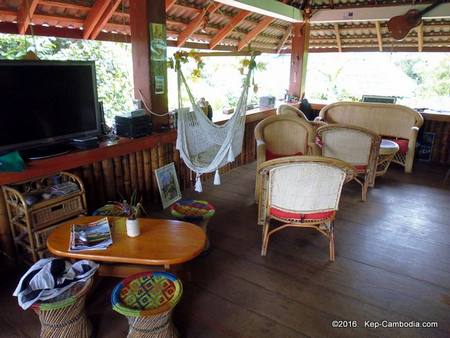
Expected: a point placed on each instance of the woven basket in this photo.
(147, 300)
(57, 212)
(65, 317)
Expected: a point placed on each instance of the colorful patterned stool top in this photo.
(146, 294)
(192, 210)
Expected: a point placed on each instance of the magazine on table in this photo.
(91, 236)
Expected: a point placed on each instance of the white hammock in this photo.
(204, 146)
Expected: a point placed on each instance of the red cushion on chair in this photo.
(292, 215)
(403, 145)
(360, 168)
(273, 156)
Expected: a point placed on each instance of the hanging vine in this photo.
(182, 57)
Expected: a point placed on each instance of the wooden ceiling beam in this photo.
(94, 16)
(169, 4)
(105, 18)
(420, 37)
(284, 39)
(7, 15)
(65, 5)
(338, 37)
(64, 20)
(196, 23)
(263, 24)
(379, 36)
(222, 34)
(25, 14)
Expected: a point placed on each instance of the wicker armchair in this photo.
(287, 109)
(302, 192)
(281, 136)
(392, 121)
(354, 145)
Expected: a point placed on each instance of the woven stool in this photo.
(147, 300)
(64, 316)
(195, 211)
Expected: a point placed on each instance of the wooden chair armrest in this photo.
(260, 151)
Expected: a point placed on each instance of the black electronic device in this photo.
(84, 143)
(46, 104)
(133, 127)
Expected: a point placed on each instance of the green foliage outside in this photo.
(112, 60)
(431, 78)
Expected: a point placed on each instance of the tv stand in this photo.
(52, 150)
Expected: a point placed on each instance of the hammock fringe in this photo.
(217, 177)
(198, 184)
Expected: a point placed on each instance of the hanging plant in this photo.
(182, 57)
(248, 64)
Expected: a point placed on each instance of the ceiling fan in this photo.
(399, 26)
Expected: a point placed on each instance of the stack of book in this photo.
(91, 236)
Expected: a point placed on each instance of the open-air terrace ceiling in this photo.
(214, 25)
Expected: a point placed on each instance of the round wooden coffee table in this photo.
(162, 243)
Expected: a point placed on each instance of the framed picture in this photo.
(426, 146)
(168, 186)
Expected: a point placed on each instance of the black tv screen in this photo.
(45, 102)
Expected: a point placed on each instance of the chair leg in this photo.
(265, 237)
(331, 240)
(365, 187)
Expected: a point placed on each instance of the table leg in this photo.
(204, 225)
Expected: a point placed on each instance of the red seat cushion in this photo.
(301, 217)
(273, 156)
(403, 145)
(360, 168)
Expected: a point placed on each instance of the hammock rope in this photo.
(205, 147)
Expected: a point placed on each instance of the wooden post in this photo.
(148, 43)
(299, 58)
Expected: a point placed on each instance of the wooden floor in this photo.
(392, 263)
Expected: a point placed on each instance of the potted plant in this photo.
(131, 210)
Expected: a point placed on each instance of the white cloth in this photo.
(204, 146)
(50, 277)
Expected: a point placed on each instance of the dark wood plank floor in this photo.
(392, 263)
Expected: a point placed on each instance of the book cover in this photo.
(92, 236)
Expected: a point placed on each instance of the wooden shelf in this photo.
(38, 168)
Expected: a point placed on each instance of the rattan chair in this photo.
(354, 145)
(287, 109)
(302, 192)
(281, 136)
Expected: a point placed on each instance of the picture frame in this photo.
(168, 186)
(426, 146)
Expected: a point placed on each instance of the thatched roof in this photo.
(68, 17)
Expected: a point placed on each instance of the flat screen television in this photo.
(44, 103)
